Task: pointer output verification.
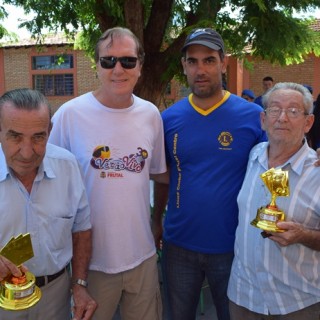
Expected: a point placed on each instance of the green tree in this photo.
(3, 15)
(267, 26)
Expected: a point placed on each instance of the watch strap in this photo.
(81, 282)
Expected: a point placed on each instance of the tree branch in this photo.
(155, 30)
(133, 15)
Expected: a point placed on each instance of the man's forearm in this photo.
(161, 192)
(82, 248)
(160, 202)
(311, 239)
(161, 177)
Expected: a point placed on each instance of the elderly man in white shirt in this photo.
(42, 193)
(278, 277)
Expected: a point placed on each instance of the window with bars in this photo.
(53, 75)
(54, 85)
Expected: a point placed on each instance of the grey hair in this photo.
(25, 99)
(307, 96)
(119, 32)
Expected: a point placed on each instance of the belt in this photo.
(43, 280)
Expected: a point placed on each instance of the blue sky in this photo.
(13, 20)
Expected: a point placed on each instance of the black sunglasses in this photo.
(126, 62)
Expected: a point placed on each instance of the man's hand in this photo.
(292, 234)
(296, 233)
(157, 231)
(8, 268)
(84, 305)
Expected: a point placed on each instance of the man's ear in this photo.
(183, 62)
(309, 123)
(263, 120)
(225, 62)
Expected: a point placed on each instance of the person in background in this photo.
(307, 86)
(208, 137)
(313, 136)
(118, 139)
(267, 84)
(248, 95)
(42, 193)
(278, 276)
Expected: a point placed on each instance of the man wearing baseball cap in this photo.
(248, 95)
(208, 137)
(206, 37)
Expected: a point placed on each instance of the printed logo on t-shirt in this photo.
(225, 139)
(102, 159)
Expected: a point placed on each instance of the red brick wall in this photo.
(304, 73)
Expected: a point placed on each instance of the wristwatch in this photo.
(81, 282)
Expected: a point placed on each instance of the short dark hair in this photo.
(25, 99)
(268, 78)
(119, 32)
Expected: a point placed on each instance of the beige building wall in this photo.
(16, 71)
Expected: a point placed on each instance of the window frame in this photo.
(52, 51)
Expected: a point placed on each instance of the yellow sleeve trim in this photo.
(214, 107)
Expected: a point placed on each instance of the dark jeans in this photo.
(183, 274)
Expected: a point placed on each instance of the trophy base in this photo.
(19, 295)
(267, 218)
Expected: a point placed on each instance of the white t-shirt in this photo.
(117, 150)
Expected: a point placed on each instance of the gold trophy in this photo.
(267, 217)
(18, 293)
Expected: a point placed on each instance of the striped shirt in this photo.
(267, 278)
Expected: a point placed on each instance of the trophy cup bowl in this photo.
(18, 293)
(267, 216)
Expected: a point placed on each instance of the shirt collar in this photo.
(4, 170)
(44, 170)
(47, 169)
(296, 162)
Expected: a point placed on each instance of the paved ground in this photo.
(209, 311)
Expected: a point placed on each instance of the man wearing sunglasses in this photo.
(118, 140)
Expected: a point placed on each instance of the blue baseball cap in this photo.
(308, 87)
(206, 37)
(248, 93)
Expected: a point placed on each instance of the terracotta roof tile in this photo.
(49, 40)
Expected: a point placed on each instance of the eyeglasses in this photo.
(126, 62)
(292, 113)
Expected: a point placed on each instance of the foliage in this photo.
(265, 27)
(3, 31)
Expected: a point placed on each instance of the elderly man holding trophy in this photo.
(45, 217)
(276, 269)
